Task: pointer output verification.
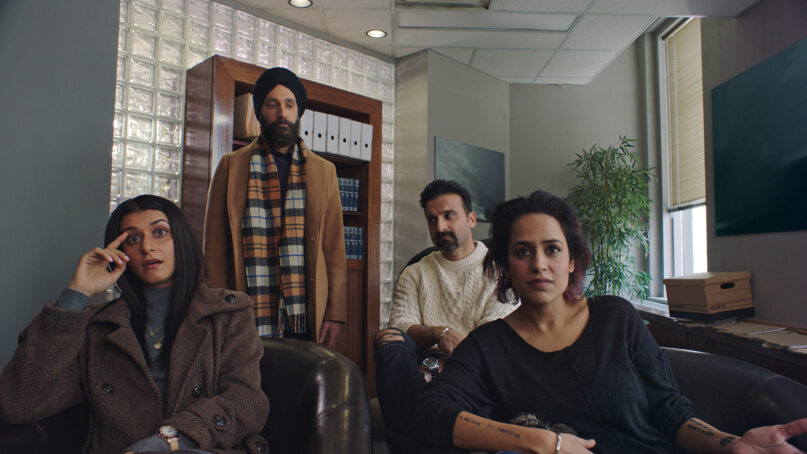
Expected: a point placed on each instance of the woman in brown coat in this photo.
(170, 364)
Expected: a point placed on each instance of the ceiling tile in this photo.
(461, 55)
(307, 17)
(478, 38)
(355, 3)
(577, 63)
(517, 80)
(606, 32)
(351, 25)
(484, 20)
(510, 62)
(562, 80)
(545, 6)
(671, 7)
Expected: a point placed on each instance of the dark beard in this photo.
(446, 242)
(278, 137)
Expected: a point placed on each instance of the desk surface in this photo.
(721, 339)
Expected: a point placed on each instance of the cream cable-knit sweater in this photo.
(436, 292)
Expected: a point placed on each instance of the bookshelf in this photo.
(212, 87)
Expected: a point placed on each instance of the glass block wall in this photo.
(159, 39)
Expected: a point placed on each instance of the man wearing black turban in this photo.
(273, 225)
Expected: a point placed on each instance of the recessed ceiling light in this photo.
(376, 33)
(300, 3)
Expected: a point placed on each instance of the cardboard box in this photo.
(710, 296)
(245, 125)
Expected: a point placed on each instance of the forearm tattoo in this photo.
(700, 428)
(727, 440)
(507, 431)
(472, 421)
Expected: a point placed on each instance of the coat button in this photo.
(107, 388)
(260, 446)
(197, 391)
(230, 298)
(219, 421)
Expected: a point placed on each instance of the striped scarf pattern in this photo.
(274, 244)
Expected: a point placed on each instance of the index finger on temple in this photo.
(117, 241)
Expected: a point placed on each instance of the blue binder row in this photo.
(349, 193)
(354, 242)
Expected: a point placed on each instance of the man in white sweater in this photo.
(437, 302)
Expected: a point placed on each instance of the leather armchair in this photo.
(736, 396)
(317, 404)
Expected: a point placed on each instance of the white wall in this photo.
(776, 260)
(550, 124)
(461, 104)
(58, 84)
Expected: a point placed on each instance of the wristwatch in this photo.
(432, 365)
(170, 435)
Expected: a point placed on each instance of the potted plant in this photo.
(613, 205)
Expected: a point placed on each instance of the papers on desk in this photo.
(775, 336)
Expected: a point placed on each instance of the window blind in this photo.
(685, 169)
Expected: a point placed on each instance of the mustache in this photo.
(446, 235)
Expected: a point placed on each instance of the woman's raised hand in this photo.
(770, 439)
(92, 275)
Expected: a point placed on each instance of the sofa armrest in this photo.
(736, 396)
(62, 433)
(318, 399)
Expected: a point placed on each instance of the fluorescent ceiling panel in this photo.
(485, 20)
(477, 38)
(544, 6)
(510, 62)
(606, 32)
(576, 63)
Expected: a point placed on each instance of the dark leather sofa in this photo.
(318, 404)
(736, 396)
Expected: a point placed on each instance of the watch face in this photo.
(430, 362)
(168, 431)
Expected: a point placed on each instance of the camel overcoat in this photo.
(213, 394)
(325, 264)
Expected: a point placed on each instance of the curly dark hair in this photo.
(506, 213)
(439, 187)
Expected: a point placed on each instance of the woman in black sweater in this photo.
(584, 366)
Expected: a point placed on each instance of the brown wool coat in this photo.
(325, 265)
(66, 357)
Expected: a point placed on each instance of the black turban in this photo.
(270, 79)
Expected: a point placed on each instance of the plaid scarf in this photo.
(274, 244)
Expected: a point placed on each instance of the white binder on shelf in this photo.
(332, 141)
(366, 142)
(355, 139)
(307, 127)
(320, 131)
(344, 136)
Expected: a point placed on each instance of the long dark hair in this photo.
(506, 213)
(189, 268)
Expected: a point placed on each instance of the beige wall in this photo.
(461, 104)
(776, 260)
(551, 123)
